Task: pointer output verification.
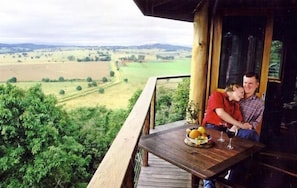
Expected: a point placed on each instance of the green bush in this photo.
(101, 90)
(171, 104)
(89, 79)
(78, 88)
(104, 79)
(94, 83)
(61, 92)
(12, 80)
(45, 79)
(61, 79)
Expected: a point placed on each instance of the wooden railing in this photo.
(117, 168)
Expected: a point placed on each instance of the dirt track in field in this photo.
(36, 72)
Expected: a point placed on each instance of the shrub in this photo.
(94, 83)
(104, 79)
(126, 80)
(78, 88)
(89, 79)
(12, 80)
(111, 73)
(45, 79)
(101, 90)
(61, 79)
(61, 92)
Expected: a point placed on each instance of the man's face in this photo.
(250, 85)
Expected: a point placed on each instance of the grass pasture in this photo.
(117, 96)
(117, 92)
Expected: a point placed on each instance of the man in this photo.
(252, 107)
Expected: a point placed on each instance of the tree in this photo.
(181, 98)
(78, 88)
(101, 90)
(12, 80)
(111, 73)
(133, 99)
(94, 83)
(171, 104)
(71, 58)
(62, 92)
(89, 79)
(37, 148)
(104, 79)
(98, 128)
(45, 79)
(61, 79)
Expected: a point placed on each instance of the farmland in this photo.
(31, 67)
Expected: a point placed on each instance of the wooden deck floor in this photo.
(154, 176)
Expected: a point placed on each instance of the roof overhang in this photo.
(171, 9)
(184, 10)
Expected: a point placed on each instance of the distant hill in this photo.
(23, 47)
(27, 47)
(167, 47)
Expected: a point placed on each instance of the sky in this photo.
(87, 22)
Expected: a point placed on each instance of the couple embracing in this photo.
(238, 108)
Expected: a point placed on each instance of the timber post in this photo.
(199, 59)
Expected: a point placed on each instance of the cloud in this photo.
(87, 22)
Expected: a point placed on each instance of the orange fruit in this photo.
(194, 133)
(204, 134)
(201, 130)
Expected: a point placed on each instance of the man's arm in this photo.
(257, 115)
(229, 119)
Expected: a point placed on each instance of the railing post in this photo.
(146, 130)
(153, 110)
(130, 174)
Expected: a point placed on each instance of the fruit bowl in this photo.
(197, 136)
(200, 140)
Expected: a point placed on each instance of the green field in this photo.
(117, 92)
(117, 96)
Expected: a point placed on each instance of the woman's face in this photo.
(238, 93)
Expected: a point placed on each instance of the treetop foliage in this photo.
(42, 145)
(36, 145)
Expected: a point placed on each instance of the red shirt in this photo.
(220, 100)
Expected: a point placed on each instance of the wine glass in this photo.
(222, 127)
(231, 133)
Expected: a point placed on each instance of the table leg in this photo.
(195, 181)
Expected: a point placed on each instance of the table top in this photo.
(201, 162)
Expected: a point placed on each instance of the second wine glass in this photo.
(231, 133)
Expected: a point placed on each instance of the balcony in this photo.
(121, 164)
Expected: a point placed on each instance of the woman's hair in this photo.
(231, 87)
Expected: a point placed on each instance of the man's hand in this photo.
(247, 126)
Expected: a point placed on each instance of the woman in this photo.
(223, 107)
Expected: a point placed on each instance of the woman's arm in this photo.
(229, 119)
